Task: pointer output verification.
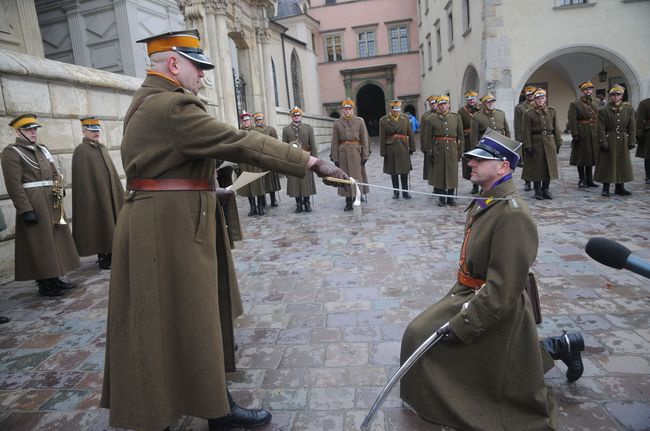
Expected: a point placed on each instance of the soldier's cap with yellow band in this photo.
(432, 100)
(25, 121)
(540, 92)
(295, 111)
(245, 116)
(91, 123)
(488, 98)
(586, 84)
(258, 116)
(529, 90)
(495, 146)
(347, 103)
(396, 105)
(185, 42)
(617, 89)
(443, 99)
(471, 94)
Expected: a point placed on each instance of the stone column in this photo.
(77, 37)
(269, 89)
(220, 54)
(126, 15)
(30, 29)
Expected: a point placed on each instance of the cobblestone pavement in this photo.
(327, 300)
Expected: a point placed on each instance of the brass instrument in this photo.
(58, 192)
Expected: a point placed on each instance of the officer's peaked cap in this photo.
(24, 121)
(495, 146)
(185, 42)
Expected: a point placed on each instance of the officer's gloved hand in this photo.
(529, 151)
(450, 338)
(223, 195)
(604, 147)
(324, 169)
(30, 217)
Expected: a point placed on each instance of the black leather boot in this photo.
(619, 189)
(307, 204)
(567, 348)
(274, 203)
(4, 319)
(395, 180)
(442, 201)
(45, 288)
(475, 189)
(253, 210)
(405, 186)
(581, 177)
(298, 205)
(589, 179)
(348, 204)
(262, 199)
(239, 417)
(57, 282)
(605, 190)
(545, 193)
(104, 260)
(526, 186)
(451, 201)
(538, 190)
(260, 205)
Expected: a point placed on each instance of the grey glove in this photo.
(30, 217)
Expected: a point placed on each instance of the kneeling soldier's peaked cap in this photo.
(495, 146)
(185, 42)
(91, 123)
(24, 121)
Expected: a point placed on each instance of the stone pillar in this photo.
(77, 37)
(126, 15)
(220, 54)
(269, 105)
(31, 31)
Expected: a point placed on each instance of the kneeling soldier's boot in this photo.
(239, 417)
(260, 205)
(567, 348)
(298, 205)
(538, 190)
(348, 204)
(306, 204)
(253, 211)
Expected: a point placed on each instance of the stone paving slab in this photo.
(326, 302)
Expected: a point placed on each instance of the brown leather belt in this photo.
(351, 142)
(444, 138)
(169, 184)
(586, 122)
(398, 136)
(471, 282)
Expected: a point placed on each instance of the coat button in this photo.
(466, 321)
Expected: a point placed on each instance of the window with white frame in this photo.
(366, 43)
(399, 39)
(333, 47)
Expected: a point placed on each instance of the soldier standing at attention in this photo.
(583, 119)
(643, 136)
(300, 136)
(97, 195)
(44, 248)
(525, 105)
(255, 189)
(445, 135)
(425, 147)
(396, 145)
(165, 351)
(467, 112)
(350, 148)
(272, 179)
(542, 142)
(616, 132)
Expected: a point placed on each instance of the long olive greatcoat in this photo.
(301, 137)
(616, 130)
(520, 110)
(423, 145)
(643, 129)
(43, 250)
(494, 378)
(97, 196)
(396, 151)
(583, 119)
(272, 179)
(466, 113)
(350, 156)
(541, 133)
(164, 347)
(445, 154)
(254, 188)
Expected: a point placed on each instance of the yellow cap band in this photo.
(167, 43)
(90, 122)
(24, 121)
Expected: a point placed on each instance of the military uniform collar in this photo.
(156, 79)
(25, 143)
(501, 190)
(91, 142)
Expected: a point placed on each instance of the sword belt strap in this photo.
(169, 184)
(33, 184)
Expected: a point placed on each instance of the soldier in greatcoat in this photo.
(44, 248)
(350, 149)
(97, 195)
(396, 145)
(300, 135)
(165, 352)
(643, 135)
(254, 190)
(520, 109)
(616, 133)
(432, 102)
(272, 179)
(466, 113)
(488, 371)
(444, 134)
(542, 141)
(583, 119)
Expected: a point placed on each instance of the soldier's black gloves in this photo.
(604, 147)
(30, 217)
(450, 338)
(529, 151)
(324, 169)
(223, 195)
(575, 140)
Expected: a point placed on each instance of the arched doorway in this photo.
(371, 106)
(470, 80)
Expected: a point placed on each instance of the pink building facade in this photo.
(368, 50)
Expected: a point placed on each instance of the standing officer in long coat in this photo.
(350, 148)
(466, 113)
(643, 135)
(254, 190)
(97, 195)
(300, 136)
(396, 145)
(488, 372)
(520, 110)
(164, 346)
(444, 132)
(542, 141)
(45, 249)
(616, 133)
(271, 179)
(583, 119)
(425, 147)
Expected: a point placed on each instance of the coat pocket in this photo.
(202, 222)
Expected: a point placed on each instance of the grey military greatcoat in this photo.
(350, 148)
(616, 129)
(541, 133)
(396, 144)
(583, 119)
(444, 135)
(301, 136)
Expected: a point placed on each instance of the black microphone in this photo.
(617, 256)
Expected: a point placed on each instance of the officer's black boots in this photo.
(46, 288)
(348, 204)
(239, 417)
(442, 201)
(4, 319)
(646, 166)
(57, 282)
(581, 175)
(395, 180)
(298, 205)
(475, 189)
(567, 348)
(545, 193)
(451, 201)
(589, 179)
(605, 190)
(104, 260)
(253, 211)
(538, 190)
(405, 186)
(261, 203)
(619, 189)
(306, 204)
(526, 186)
(274, 203)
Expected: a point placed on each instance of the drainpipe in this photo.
(284, 62)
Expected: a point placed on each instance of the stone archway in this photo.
(470, 80)
(371, 106)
